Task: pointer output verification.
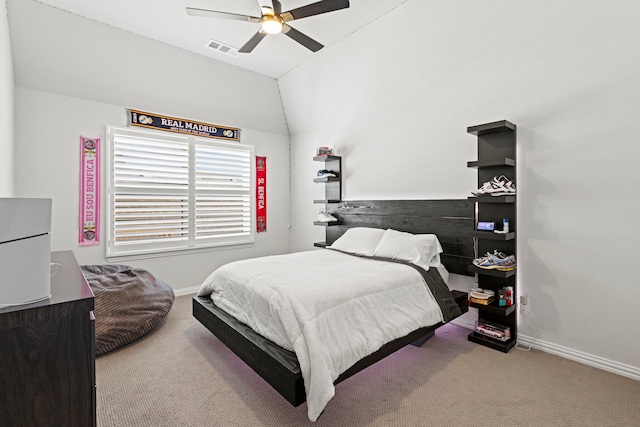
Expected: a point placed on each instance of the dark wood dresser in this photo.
(47, 355)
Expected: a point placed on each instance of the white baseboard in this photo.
(581, 357)
(565, 352)
(186, 291)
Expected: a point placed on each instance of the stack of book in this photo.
(481, 296)
(483, 301)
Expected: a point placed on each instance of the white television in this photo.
(25, 251)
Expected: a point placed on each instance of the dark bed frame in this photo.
(451, 220)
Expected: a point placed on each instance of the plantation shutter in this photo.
(174, 193)
(223, 190)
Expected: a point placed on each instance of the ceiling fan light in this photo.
(271, 24)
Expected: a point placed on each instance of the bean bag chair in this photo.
(129, 302)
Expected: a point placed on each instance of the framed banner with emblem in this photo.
(174, 124)
(89, 232)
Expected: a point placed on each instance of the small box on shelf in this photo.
(493, 330)
(324, 151)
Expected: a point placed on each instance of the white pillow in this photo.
(422, 250)
(359, 240)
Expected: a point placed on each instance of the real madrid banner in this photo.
(173, 124)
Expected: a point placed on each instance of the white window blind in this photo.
(223, 188)
(174, 193)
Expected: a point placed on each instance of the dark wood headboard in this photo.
(451, 220)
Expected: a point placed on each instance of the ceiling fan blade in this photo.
(277, 7)
(223, 15)
(253, 42)
(303, 39)
(317, 8)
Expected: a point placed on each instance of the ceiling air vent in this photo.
(224, 48)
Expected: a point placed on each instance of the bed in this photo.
(286, 346)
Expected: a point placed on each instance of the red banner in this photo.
(261, 194)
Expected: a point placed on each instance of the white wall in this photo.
(396, 97)
(58, 52)
(94, 73)
(6, 107)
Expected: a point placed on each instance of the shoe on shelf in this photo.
(506, 183)
(496, 260)
(326, 217)
(499, 256)
(507, 265)
(498, 186)
(491, 188)
(323, 173)
(483, 261)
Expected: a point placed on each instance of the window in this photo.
(170, 193)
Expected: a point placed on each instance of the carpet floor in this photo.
(181, 375)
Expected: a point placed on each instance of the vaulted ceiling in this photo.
(167, 21)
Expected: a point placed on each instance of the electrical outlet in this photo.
(525, 303)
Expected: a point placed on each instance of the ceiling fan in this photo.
(274, 21)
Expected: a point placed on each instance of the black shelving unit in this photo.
(332, 190)
(489, 235)
(496, 200)
(496, 157)
(492, 273)
(492, 308)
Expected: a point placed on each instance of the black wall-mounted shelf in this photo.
(326, 158)
(496, 157)
(492, 162)
(493, 127)
(493, 273)
(490, 235)
(325, 202)
(327, 179)
(332, 192)
(493, 199)
(496, 309)
(504, 347)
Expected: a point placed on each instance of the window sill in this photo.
(175, 252)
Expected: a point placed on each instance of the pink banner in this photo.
(89, 233)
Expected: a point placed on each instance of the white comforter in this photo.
(331, 308)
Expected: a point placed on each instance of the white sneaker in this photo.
(325, 217)
(491, 188)
(327, 174)
(506, 183)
